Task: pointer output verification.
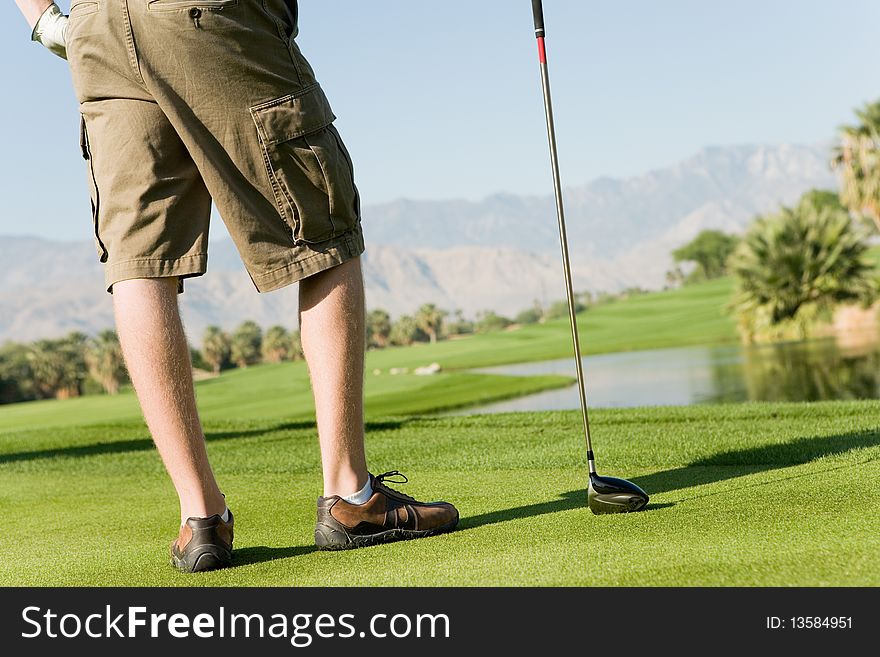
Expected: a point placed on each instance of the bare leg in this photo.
(157, 356)
(332, 327)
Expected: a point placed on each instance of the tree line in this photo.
(431, 324)
(246, 345)
(78, 364)
(61, 368)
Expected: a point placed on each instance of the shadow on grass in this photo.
(570, 500)
(573, 499)
(262, 554)
(146, 444)
(735, 463)
(742, 462)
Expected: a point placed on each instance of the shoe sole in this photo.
(389, 536)
(202, 559)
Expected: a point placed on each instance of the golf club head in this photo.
(613, 495)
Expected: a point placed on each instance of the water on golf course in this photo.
(797, 371)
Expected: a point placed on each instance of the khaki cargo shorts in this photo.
(185, 102)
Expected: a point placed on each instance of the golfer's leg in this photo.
(332, 328)
(157, 357)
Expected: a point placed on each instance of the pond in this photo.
(797, 371)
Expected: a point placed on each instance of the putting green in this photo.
(744, 495)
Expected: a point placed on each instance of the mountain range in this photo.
(500, 253)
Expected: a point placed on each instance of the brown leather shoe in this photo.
(203, 544)
(387, 516)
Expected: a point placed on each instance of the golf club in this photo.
(605, 494)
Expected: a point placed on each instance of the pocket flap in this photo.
(293, 116)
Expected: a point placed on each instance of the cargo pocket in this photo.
(93, 187)
(309, 170)
(82, 8)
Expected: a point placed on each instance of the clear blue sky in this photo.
(441, 100)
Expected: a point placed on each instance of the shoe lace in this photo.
(388, 476)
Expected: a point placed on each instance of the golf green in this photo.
(741, 495)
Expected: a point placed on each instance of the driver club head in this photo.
(613, 495)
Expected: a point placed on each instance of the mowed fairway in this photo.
(741, 495)
(695, 314)
(777, 495)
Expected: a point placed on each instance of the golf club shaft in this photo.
(538, 11)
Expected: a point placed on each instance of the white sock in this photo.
(362, 496)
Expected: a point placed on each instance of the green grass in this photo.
(690, 315)
(674, 318)
(282, 392)
(752, 494)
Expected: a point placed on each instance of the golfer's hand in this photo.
(51, 31)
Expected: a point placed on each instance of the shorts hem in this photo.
(318, 258)
(185, 267)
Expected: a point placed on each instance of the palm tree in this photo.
(16, 376)
(430, 320)
(276, 344)
(72, 349)
(58, 366)
(858, 160)
(405, 331)
(378, 328)
(47, 367)
(215, 347)
(105, 361)
(793, 267)
(247, 341)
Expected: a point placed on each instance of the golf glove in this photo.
(51, 31)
